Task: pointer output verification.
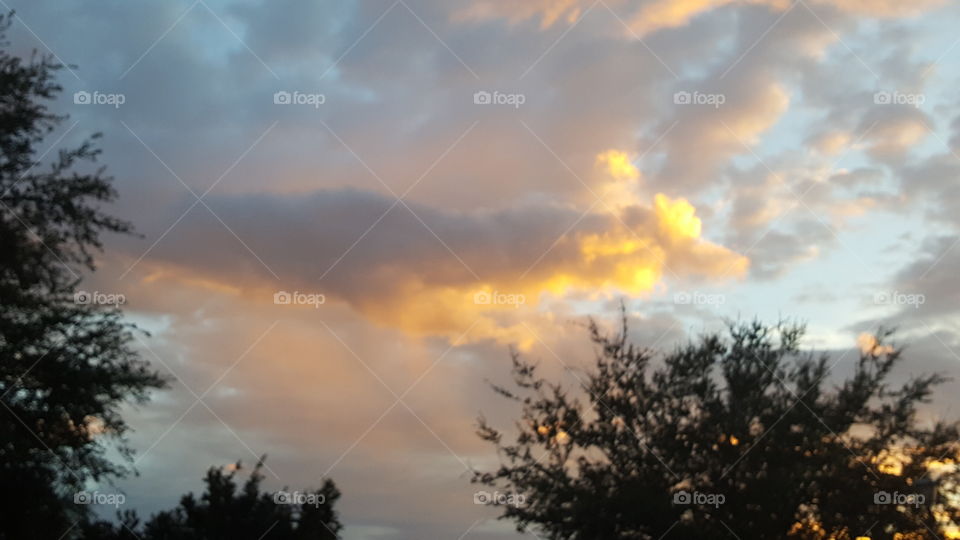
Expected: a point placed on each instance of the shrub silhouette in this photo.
(226, 511)
(735, 435)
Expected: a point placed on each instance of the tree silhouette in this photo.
(735, 435)
(66, 364)
(225, 512)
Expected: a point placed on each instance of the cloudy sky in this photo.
(454, 177)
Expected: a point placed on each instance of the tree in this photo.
(66, 365)
(224, 513)
(735, 435)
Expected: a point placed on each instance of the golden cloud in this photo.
(491, 275)
(663, 14)
(618, 165)
(621, 260)
(869, 344)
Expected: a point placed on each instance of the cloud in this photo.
(619, 183)
(618, 165)
(930, 276)
(830, 143)
(889, 131)
(434, 272)
(869, 344)
(882, 8)
(660, 14)
(933, 180)
(548, 12)
(752, 105)
(653, 15)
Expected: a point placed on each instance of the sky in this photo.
(350, 211)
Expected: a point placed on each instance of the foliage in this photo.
(66, 366)
(224, 512)
(734, 435)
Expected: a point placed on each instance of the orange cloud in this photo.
(619, 185)
(622, 260)
(869, 344)
(661, 14)
(671, 13)
(618, 165)
(487, 272)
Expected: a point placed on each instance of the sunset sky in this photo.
(452, 178)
